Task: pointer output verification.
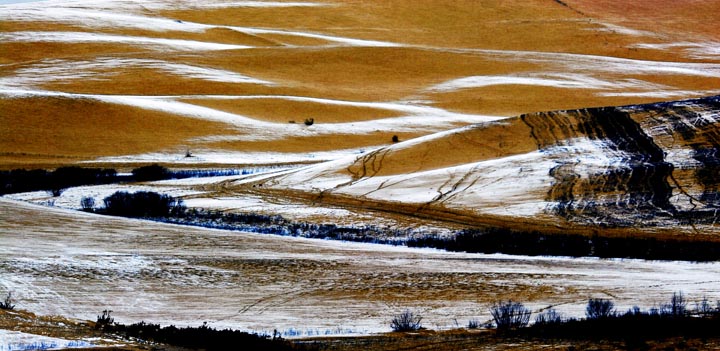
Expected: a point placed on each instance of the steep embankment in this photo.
(638, 167)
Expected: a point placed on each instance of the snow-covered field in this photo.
(17, 341)
(61, 262)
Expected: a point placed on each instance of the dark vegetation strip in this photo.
(55, 182)
(165, 208)
(533, 243)
(477, 240)
(634, 327)
(203, 337)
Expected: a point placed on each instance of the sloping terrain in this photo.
(639, 167)
(182, 275)
(144, 81)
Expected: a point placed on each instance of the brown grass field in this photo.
(439, 41)
(160, 85)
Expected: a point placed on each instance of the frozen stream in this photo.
(75, 264)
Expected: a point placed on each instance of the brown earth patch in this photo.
(83, 128)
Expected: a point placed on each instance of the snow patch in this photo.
(570, 81)
(83, 37)
(105, 68)
(219, 157)
(15, 341)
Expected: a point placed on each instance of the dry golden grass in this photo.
(431, 33)
(489, 141)
(311, 143)
(677, 20)
(77, 129)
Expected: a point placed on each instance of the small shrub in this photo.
(56, 191)
(395, 139)
(599, 308)
(473, 324)
(152, 172)
(510, 315)
(406, 321)
(704, 308)
(309, 121)
(143, 204)
(548, 316)
(7, 304)
(87, 203)
(104, 320)
(677, 306)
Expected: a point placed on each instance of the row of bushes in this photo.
(141, 204)
(488, 240)
(203, 337)
(533, 243)
(278, 225)
(18, 181)
(602, 321)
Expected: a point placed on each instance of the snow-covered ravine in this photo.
(69, 263)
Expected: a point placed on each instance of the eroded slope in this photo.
(640, 166)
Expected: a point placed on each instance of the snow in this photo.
(230, 4)
(427, 120)
(103, 18)
(231, 158)
(83, 37)
(297, 286)
(474, 186)
(570, 81)
(661, 94)
(618, 29)
(14, 341)
(130, 5)
(71, 197)
(257, 205)
(697, 50)
(105, 68)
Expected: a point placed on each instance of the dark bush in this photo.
(309, 121)
(142, 204)
(87, 203)
(55, 182)
(677, 306)
(149, 173)
(104, 320)
(599, 308)
(7, 304)
(549, 316)
(510, 315)
(395, 139)
(204, 338)
(406, 321)
(473, 324)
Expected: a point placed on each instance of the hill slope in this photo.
(143, 81)
(639, 166)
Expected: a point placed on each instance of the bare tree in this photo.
(599, 308)
(677, 306)
(510, 315)
(406, 321)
